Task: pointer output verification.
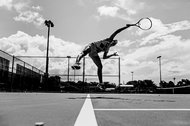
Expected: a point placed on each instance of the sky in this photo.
(80, 22)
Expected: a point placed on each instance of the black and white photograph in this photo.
(94, 63)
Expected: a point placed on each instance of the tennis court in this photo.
(74, 109)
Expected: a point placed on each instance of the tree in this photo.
(170, 84)
(163, 84)
(143, 86)
(183, 82)
(53, 83)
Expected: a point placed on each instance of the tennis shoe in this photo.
(101, 86)
(76, 66)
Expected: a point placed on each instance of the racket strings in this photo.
(145, 24)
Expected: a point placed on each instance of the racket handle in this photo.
(131, 24)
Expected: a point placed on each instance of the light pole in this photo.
(119, 67)
(159, 57)
(48, 24)
(132, 75)
(68, 67)
(174, 80)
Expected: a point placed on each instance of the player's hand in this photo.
(115, 54)
(128, 25)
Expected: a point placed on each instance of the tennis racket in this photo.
(143, 23)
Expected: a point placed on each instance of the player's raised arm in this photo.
(118, 31)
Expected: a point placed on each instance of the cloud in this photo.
(111, 12)
(26, 13)
(108, 11)
(37, 8)
(175, 58)
(30, 17)
(131, 7)
(22, 44)
(125, 43)
(160, 29)
(6, 3)
(36, 45)
(123, 9)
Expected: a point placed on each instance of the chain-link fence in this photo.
(61, 66)
(17, 75)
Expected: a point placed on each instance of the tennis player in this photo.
(96, 47)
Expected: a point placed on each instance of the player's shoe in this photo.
(76, 66)
(101, 86)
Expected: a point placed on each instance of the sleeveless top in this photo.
(102, 45)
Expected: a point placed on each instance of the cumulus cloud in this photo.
(37, 8)
(160, 29)
(6, 3)
(131, 7)
(144, 63)
(125, 43)
(108, 11)
(123, 9)
(22, 44)
(30, 17)
(26, 13)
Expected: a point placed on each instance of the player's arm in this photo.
(106, 56)
(118, 31)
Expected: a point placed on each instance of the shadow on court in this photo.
(124, 99)
(141, 109)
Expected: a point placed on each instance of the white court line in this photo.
(97, 109)
(86, 116)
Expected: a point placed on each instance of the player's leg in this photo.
(85, 51)
(79, 57)
(97, 61)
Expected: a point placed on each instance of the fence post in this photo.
(68, 68)
(119, 65)
(12, 73)
(83, 79)
(24, 78)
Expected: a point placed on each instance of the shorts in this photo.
(93, 50)
(90, 49)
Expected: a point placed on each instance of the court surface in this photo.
(68, 109)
